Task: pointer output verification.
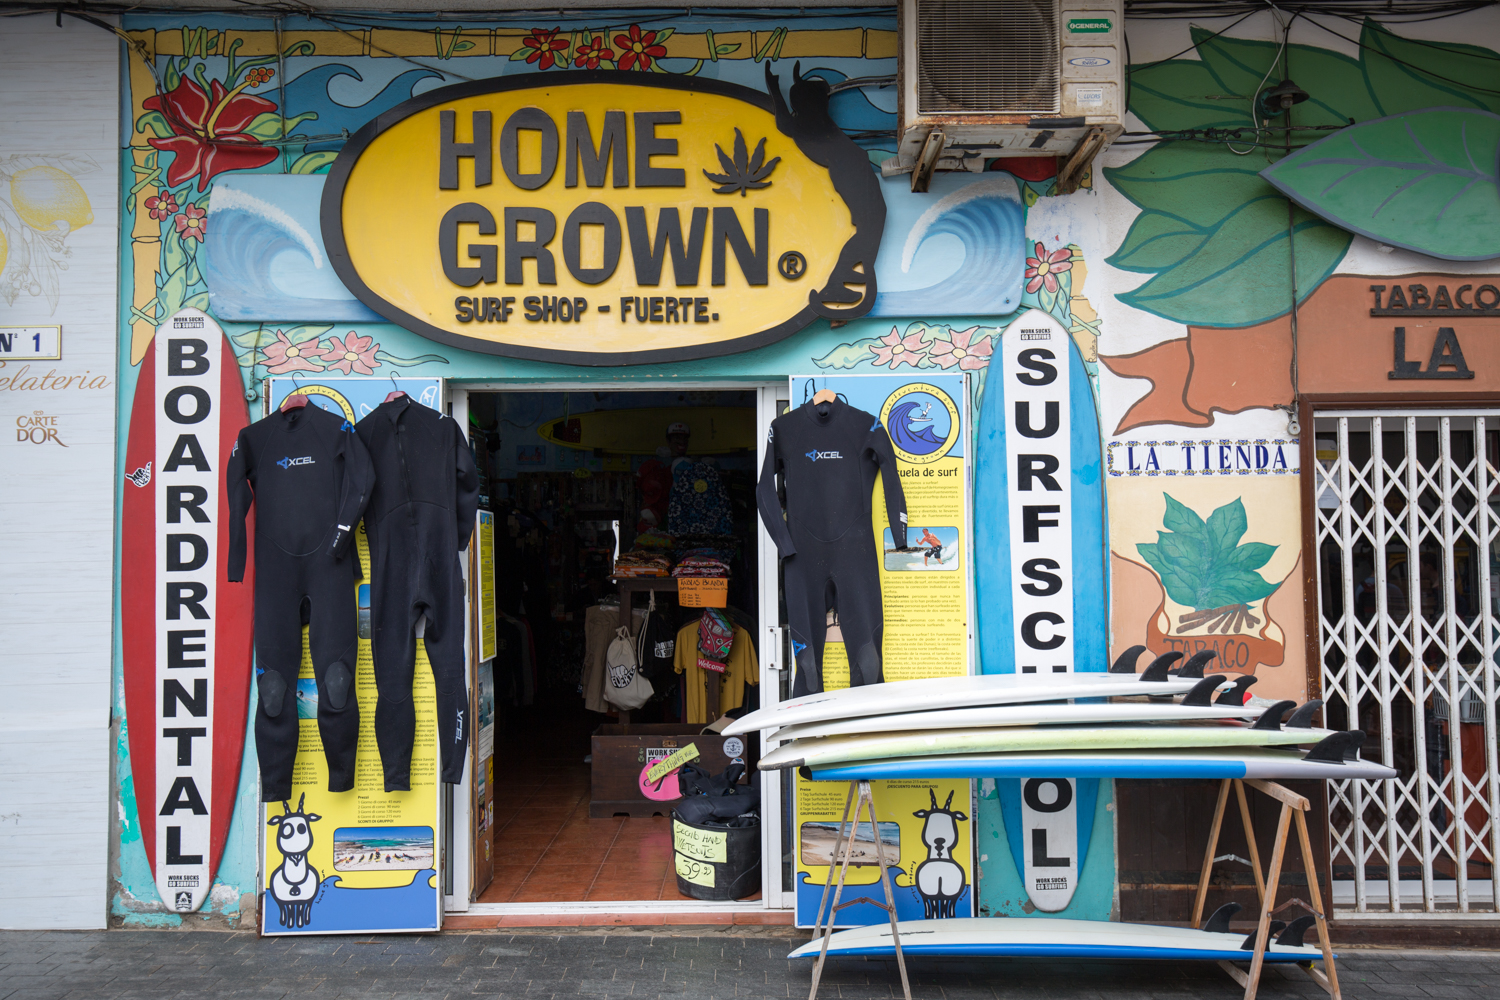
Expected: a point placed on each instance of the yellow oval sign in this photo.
(606, 217)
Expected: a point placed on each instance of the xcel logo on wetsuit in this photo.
(818, 455)
(287, 463)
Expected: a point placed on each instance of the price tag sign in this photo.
(703, 845)
(702, 592)
(667, 765)
(696, 872)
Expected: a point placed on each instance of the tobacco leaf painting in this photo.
(1205, 568)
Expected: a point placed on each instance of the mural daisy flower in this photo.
(192, 223)
(544, 46)
(895, 350)
(210, 130)
(288, 356)
(161, 205)
(962, 351)
(1044, 268)
(352, 354)
(638, 49)
(592, 52)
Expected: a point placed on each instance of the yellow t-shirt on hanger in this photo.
(743, 667)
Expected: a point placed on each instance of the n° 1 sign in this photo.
(31, 343)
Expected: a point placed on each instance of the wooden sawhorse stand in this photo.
(866, 798)
(1292, 805)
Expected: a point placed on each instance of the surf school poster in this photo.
(925, 586)
(926, 593)
(365, 860)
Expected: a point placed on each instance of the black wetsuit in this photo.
(827, 456)
(309, 477)
(420, 516)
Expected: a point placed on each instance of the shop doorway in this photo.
(1406, 516)
(604, 500)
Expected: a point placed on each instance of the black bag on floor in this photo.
(716, 834)
(715, 861)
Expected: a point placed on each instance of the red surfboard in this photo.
(187, 633)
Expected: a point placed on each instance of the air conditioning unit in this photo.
(989, 78)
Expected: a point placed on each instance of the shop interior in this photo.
(599, 498)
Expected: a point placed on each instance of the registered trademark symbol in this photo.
(792, 265)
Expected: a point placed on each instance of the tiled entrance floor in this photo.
(548, 850)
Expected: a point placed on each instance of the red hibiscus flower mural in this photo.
(896, 350)
(592, 52)
(1044, 268)
(352, 354)
(638, 48)
(962, 351)
(286, 356)
(210, 131)
(544, 46)
(162, 205)
(192, 223)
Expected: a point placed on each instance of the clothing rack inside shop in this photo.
(1293, 807)
(629, 587)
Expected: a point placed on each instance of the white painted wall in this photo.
(59, 119)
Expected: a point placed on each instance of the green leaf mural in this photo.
(1424, 180)
(1212, 230)
(1202, 563)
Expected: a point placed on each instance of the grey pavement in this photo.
(696, 963)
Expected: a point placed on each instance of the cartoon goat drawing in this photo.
(294, 883)
(940, 880)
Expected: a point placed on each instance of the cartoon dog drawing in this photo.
(294, 883)
(940, 880)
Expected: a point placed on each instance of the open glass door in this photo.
(777, 887)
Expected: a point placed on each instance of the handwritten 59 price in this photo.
(696, 872)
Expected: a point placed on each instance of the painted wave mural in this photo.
(264, 257)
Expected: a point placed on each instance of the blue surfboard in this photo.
(1039, 565)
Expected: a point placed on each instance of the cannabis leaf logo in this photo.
(744, 172)
(1203, 566)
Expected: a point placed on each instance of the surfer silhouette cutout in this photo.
(810, 125)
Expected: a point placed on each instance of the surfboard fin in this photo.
(1202, 693)
(1249, 943)
(1337, 748)
(1292, 936)
(1270, 719)
(1126, 661)
(1157, 671)
(1218, 921)
(1195, 664)
(1302, 718)
(1235, 695)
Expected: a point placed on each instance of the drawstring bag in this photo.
(627, 687)
(656, 646)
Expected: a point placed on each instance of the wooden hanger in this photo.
(394, 395)
(824, 396)
(294, 402)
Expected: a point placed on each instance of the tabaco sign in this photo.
(606, 218)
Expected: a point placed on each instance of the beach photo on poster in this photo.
(926, 549)
(382, 848)
(819, 841)
(307, 698)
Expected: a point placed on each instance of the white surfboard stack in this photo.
(1117, 724)
(1161, 723)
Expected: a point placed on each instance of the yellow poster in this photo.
(485, 533)
(364, 860)
(925, 827)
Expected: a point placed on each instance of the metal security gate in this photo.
(1407, 513)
